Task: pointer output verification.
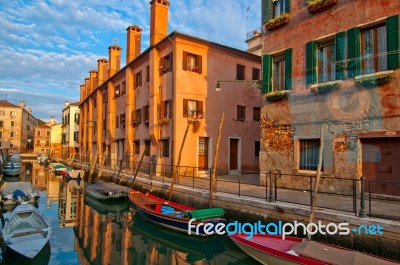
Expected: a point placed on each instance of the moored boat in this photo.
(176, 216)
(106, 191)
(14, 193)
(272, 249)
(27, 231)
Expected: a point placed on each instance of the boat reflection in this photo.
(42, 258)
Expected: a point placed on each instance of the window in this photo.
(240, 72)
(1, 124)
(241, 113)
(117, 91)
(2, 113)
(256, 114)
(166, 64)
(76, 136)
(136, 116)
(277, 71)
(47, 133)
(138, 79)
(117, 121)
(192, 108)
(123, 88)
(47, 142)
(11, 144)
(122, 120)
(76, 118)
(192, 62)
(12, 123)
(165, 109)
(1, 134)
(38, 141)
(164, 147)
(309, 154)
(278, 8)
(256, 148)
(148, 73)
(11, 134)
(146, 114)
(136, 145)
(38, 133)
(255, 74)
(326, 61)
(373, 49)
(13, 114)
(147, 147)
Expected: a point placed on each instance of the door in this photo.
(203, 153)
(233, 154)
(381, 164)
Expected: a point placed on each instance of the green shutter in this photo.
(287, 6)
(340, 48)
(266, 73)
(353, 50)
(288, 69)
(392, 31)
(311, 62)
(266, 10)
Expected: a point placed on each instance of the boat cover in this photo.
(209, 213)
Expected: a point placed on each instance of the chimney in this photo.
(52, 120)
(29, 109)
(133, 42)
(87, 87)
(22, 104)
(158, 20)
(66, 104)
(93, 80)
(102, 72)
(83, 92)
(114, 53)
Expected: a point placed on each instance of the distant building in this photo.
(145, 107)
(70, 129)
(42, 139)
(331, 73)
(56, 141)
(16, 127)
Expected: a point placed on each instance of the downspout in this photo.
(173, 102)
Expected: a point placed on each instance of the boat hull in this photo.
(106, 191)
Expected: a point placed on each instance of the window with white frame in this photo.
(373, 49)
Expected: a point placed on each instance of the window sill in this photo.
(374, 79)
(310, 173)
(317, 5)
(326, 87)
(277, 95)
(277, 22)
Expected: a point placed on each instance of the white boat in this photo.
(11, 193)
(27, 231)
(15, 158)
(12, 171)
(106, 191)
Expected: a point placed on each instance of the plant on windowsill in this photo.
(135, 122)
(277, 95)
(374, 79)
(316, 5)
(277, 22)
(163, 121)
(326, 87)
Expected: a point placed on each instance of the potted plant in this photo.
(326, 87)
(277, 95)
(375, 79)
(277, 21)
(316, 5)
(163, 121)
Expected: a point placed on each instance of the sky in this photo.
(47, 48)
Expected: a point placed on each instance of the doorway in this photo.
(203, 153)
(234, 147)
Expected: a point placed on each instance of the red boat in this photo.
(272, 249)
(176, 216)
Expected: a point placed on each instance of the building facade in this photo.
(330, 75)
(56, 145)
(165, 100)
(16, 127)
(42, 139)
(70, 129)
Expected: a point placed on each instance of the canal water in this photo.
(88, 232)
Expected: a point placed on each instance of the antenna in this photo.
(115, 41)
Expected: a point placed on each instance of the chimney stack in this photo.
(52, 120)
(93, 80)
(22, 104)
(83, 92)
(87, 87)
(29, 110)
(158, 20)
(114, 53)
(102, 72)
(134, 40)
(66, 104)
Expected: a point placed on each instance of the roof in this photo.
(75, 103)
(5, 103)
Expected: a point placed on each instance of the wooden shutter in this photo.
(185, 107)
(162, 65)
(287, 6)
(117, 121)
(140, 78)
(311, 63)
(170, 108)
(266, 12)
(288, 69)
(200, 109)
(340, 48)
(353, 52)
(267, 73)
(162, 109)
(392, 36)
(199, 64)
(184, 61)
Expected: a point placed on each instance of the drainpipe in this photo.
(173, 101)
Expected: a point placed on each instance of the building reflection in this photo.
(113, 234)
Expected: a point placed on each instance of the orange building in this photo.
(42, 139)
(146, 106)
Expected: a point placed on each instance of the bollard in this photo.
(361, 213)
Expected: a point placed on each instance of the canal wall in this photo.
(245, 209)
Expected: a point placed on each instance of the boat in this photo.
(15, 158)
(196, 248)
(12, 169)
(175, 216)
(27, 231)
(272, 249)
(19, 192)
(106, 191)
(107, 207)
